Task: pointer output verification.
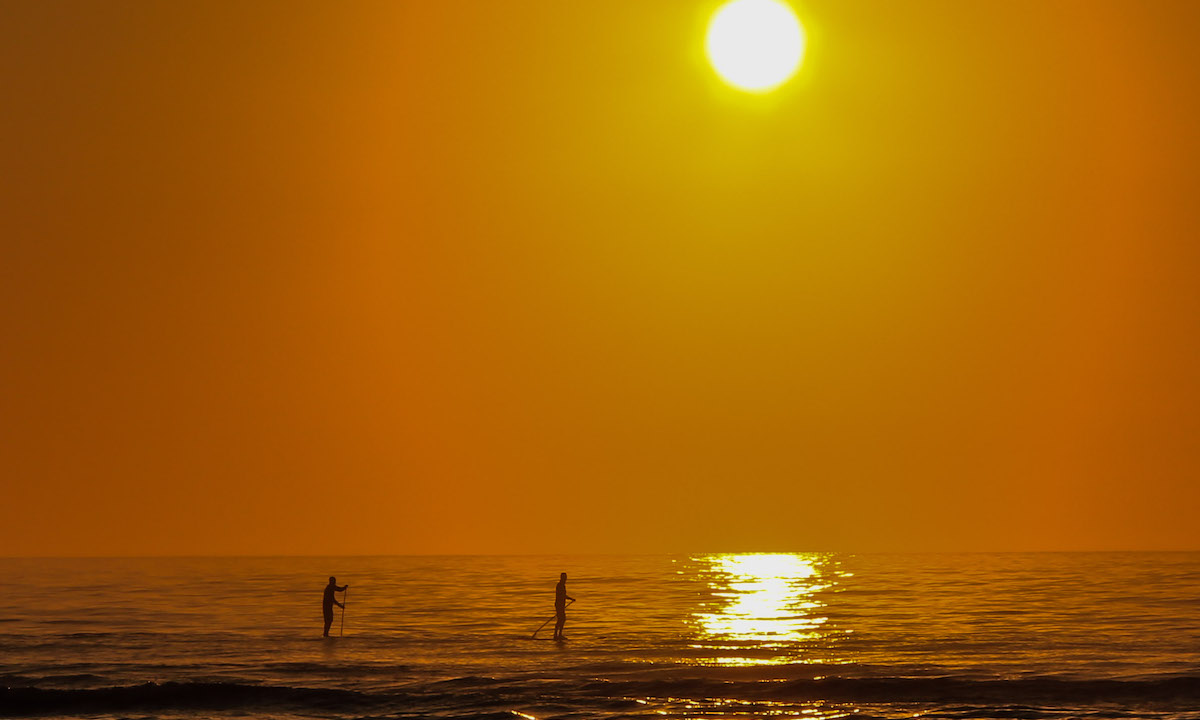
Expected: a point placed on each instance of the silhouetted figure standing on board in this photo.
(328, 601)
(560, 606)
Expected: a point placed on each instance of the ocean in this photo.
(721, 635)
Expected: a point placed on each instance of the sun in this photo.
(755, 45)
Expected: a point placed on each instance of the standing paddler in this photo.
(560, 606)
(329, 601)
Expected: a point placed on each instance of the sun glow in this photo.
(755, 45)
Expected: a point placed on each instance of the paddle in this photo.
(345, 593)
(535, 632)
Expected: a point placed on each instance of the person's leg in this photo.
(328, 622)
(558, 625)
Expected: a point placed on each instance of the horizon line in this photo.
(200, 556)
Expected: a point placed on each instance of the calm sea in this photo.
(719, 635)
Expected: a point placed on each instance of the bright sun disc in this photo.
(755, 45)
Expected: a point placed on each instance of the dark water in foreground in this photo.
(798, 636)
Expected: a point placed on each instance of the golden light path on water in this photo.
(766, 607)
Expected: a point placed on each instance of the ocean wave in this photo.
(18, 679)
(25, 701)
(358, 669)
(467, 695)
(934, 690)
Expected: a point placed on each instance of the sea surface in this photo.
(810, 635)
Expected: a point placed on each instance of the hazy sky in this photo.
(351, 277)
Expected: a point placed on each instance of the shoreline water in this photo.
(810, 634)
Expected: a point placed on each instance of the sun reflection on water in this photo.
(765, 606)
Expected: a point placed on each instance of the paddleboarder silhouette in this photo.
(329, 601)
(560, 606)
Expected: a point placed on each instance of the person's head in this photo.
(562, 576)
(332, 580)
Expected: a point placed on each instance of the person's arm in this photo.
(571, 598)
(335, 602)
(342, 588)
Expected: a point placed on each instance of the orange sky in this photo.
(407, 277)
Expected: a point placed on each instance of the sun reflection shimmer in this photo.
(729, 707)
(762, 602)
